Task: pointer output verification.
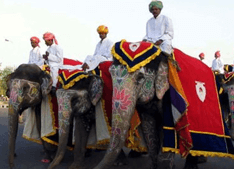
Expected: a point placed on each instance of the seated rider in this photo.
(53, 57)
(102, 52)
(35, 56)
(159, 28)
(217, 64)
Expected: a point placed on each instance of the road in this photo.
(29, 154)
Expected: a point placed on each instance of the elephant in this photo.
(227, 99)
(27, 86)
(142, 87)
(142, 84)
(77, 102)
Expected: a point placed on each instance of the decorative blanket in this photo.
(49, 122)
(228, 76)
(135, 55)
(68, 78)
(228, 68)
(199, 127)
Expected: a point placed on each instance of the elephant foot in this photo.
(135, 154)
(201, 159)
(121, 159)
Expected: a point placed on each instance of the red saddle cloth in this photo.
(200, 126)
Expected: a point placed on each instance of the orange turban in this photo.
(50, 36)
(35, 39)
(102, 29)
(217, 54)
(202, 55)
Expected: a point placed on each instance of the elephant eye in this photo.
(140, 78)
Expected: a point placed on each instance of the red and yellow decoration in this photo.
(134, 55)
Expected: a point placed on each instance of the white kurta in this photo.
(55, 61)
(160, 28)
(102, 53)
(35, 57)
(217, 64)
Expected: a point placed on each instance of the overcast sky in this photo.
(199, 26)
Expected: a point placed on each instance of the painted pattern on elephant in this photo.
(16, 94)
(64, 109)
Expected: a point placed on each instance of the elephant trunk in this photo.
(63, 139)
(64, 115)
(12, 133)
(121, 117)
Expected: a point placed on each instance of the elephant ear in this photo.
(46, 83)
(95, 89)
(161, 80)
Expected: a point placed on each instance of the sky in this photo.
(199, 26)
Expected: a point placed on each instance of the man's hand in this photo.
(85, 66)
(46, 55)
(158, 42)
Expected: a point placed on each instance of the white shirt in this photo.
(35, 57)
(102, 53)
(55, 58)
(217, 64)
(159, 28)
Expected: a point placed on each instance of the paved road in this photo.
(29, 154)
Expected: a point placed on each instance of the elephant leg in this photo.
(12, 134)
(166, 160)
(191, 162)
(151, 122)
(151, 137)
(81, 138)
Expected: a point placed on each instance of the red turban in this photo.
(202, 55)
(50, 36)
(35, 39)
(217, 54)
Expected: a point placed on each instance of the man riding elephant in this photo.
(53, 57)
(159, 28)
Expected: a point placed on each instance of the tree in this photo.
(3, 75)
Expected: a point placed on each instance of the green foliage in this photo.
(3, 75)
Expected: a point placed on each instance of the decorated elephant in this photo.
(85, 97)
(226, 89)
(141, 75)
(77, 103)
(28, 85)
